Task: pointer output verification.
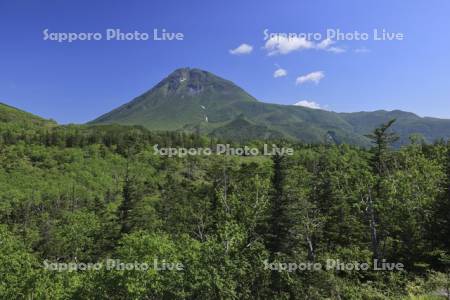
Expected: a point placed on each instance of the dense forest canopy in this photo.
(218, 227)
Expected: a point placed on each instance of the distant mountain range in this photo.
(197, 100)
(194, 100)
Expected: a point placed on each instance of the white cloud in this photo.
(242, 49)
(326, 45)
(315, 77)
(309, 104)
(335, 49)
(361, 50)
(285, 45)
(280, 72)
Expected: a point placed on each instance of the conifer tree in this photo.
(382, 139)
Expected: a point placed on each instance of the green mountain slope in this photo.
(191, 99)
(14, 116)
(184, 97)
(407, 124)
(196, 100)
(241, 129)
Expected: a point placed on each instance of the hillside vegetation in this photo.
(86, 194)
(194, 100)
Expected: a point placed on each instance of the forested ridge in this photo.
(86, 194)
(196, 100)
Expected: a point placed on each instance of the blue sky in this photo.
(78, 81)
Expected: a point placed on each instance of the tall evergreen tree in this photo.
(129, 195)
(279, 221)
(382, 138)
(279, 239)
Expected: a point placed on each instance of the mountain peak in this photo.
(186, 96)
(191, 81)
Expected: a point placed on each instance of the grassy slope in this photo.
(196, 100)
(185, 98)
(12, 115)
